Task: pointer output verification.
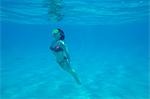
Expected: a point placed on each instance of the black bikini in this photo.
(56, 48)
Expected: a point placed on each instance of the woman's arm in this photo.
(62, 44)
(67, 53)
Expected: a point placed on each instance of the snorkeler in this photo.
(61, 53)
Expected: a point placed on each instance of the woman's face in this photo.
(56, 35)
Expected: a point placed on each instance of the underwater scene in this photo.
(74, 49)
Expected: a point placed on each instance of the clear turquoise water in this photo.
(108, 45)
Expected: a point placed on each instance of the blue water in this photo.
(107, 41)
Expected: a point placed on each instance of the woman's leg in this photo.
(74, 74)
(66, 66)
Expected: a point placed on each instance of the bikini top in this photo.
(56, 46)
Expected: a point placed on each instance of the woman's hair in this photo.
(61, 34)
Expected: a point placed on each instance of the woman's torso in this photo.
(58, 50)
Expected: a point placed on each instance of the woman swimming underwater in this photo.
(60, 51)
